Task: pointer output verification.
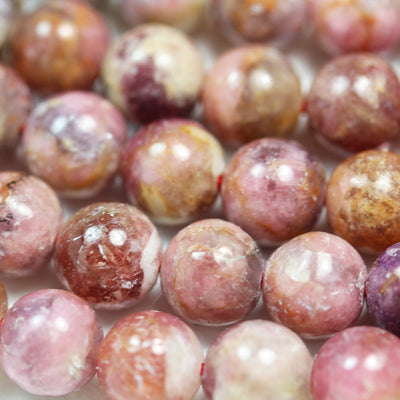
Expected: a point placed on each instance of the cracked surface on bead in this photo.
(354, 102)
(255, 359)
(150, 355)
(30, 218)
(258, 20)
(15, 105)
(60, 46)
(182, 14)
(249, 93)
(383, 290)
(172, 169)
(356, 25)
(363, 200)
(273, 189)
(211, 273)
(49, 341)
(359, 363)
(109, 254)
(153, 71)
(74, 141)
(314, 284)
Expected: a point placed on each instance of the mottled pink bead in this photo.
(153, 71)
(257, 360)
(109, 254)
(15, 105)
(251, 92)
(356, 25)
(172, 170)
(314, 284)
(211, 273)
(74, 141)
(273, 189)
(150, 355)
(360, 363)
(354, 102)
(258, 21)
(30, 218)
(182, 14)
(49, 341)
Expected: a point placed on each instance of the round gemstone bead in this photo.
(383, 290)
(255, 359)
(258, 21)
(109, 254)
(60, 46)
(273, 189)
(182, 14)
(153, 71)
(314, 284)
(251, 92)
(211, 273)
(15, 105)
(30, 218)
(358, 363)
(172, 169)
(356, 25)
(354, 102)
(49, 341)
(150, 355)
(363, 200)
(74, 141)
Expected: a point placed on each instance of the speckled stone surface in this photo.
(211, 273)
(60, 46)
(49, 342)
(258, 20)
(255, 359)
(363, 200)
(314, 284)
(172, 170)
(273, 189)
(356, 25)
(74, 142)
(354, 102)
(30, 218)
(153, 71)
(249, 93)
(150, 355)
(182, 14)
(109, 254)
(359, 363)
(7, 14)
(383, 290)
(15, 105)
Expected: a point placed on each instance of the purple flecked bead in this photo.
(383, 290)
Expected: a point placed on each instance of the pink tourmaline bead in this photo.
(258, 21)
(15, 105)
(172, 170)
(74, 141)
(354, 102)
(182, 14)
(30, 218)
(356, 25)
(273, 189)
(153, 71)
(49, 341)
(314, 284)
(211, 273)
(109, 254)
(150, 355)
(257, 360)
(360, 363)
